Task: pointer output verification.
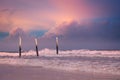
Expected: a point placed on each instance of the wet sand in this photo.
(8, 72)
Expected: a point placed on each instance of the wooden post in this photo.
(20, 43)
(36, 45)
(57, 51)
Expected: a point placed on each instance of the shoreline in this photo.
(12, 72)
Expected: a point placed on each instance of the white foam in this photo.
(80, 60)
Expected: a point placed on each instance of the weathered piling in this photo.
(57, 49)
(36, 45)
(20, 44)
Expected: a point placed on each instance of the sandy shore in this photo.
(8, 72)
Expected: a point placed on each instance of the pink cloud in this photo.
(46, 14)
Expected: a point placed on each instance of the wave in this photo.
(69, 60)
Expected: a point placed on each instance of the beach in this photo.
(68, 65)
(10, 72)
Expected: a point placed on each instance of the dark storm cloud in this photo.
(94, 34)
(103, 30)
(89, 35)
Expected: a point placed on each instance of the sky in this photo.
(79, 24)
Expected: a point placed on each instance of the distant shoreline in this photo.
(68, 49)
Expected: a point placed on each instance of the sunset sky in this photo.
(88, 24)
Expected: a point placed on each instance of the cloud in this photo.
(46, 14)
(11, 42)
(101, 34)
(87, 22)
(16, 32)
(6, 22)
(4, 10)
(87, 35)
(85, 9)
(89, 30)
(16, 14)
